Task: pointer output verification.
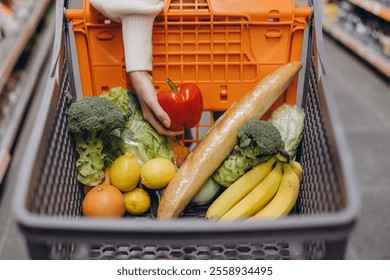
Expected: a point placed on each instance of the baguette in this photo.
(217, 144)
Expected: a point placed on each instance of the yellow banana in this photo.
(297, 168)
(258, 197)
(283, 156)
(285, 198)
(239, 189)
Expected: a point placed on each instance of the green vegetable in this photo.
(139, 137)
(92, 120)
(120, 97)
(289, 120)
(207, 192)
(258, 141)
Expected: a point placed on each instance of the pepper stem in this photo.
(172, 85)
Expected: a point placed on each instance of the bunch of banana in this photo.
(269, 190)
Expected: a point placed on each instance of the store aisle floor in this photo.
(363, 100)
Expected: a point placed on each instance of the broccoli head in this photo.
(258, 141)
(92, 120)
(261, 137)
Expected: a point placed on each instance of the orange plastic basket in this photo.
(225, 46)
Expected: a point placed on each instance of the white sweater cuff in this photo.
(137, 41)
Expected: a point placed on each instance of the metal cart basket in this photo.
(48, 198)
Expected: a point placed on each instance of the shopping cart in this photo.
(48, 198)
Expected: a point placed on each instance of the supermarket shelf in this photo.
(12, 47)
(371, 55)
(22, 95)
(374, 7)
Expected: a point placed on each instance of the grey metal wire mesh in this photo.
(320, 191)
(58, 192)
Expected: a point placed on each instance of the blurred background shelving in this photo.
(363, 26)
(376, 7)
(22, 25)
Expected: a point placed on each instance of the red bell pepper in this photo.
(183, 104)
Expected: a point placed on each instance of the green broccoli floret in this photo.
(258, 141)
(92, 120)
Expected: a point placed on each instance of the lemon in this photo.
(137, 201)
(125, 172)
(156, 173)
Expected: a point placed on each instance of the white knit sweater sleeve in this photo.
(137, 18)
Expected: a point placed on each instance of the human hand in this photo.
(152, 112)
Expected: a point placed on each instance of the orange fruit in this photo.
(104, 201)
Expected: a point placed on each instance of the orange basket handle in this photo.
(306, 12)
(73, 14)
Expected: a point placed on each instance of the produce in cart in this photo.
(220, 140)
(284, 200)
(104, 200)
(92, 120)
(157, 173)
(207, 192)
(270, 186)
(257, 142)
(289, 120)
(137, 201)
(239, 189)
(138, 138)
(125, 172)
(110, 131)
(180, 151)
(183, 104)
(252, 191)
(120, 97)
(258, 197)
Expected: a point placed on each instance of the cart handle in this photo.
(305, 12)
(73, 14)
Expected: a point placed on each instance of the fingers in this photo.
(151, 118)
(147, 96)
(159, 112)
(151, 110)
